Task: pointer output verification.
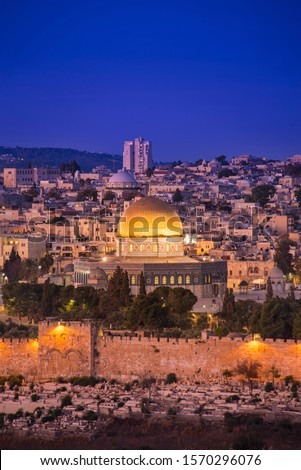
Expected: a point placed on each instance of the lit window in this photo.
(156, 280)
(180, 279)
(164, 280)
(187, 279)
(133, 280)
(172, 280)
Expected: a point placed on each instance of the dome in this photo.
(98, 274)
(150, 217)
(122, 177)
(276, 273)
(69, 268)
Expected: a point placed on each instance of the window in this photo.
(155, 248)
(156, 280)
(133, 280)
(180, 279)
(131, 247)
(172, 280)
(187, 279)
(164, 280)
(256, 270)
(231, 272)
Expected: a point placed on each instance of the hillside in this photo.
(49, 156)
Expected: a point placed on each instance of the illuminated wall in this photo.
(127, 359)
(76, 349)
(66, 349)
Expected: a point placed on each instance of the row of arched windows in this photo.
(172, 279)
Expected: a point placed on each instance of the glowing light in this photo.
(104, 258)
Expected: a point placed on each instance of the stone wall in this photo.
(126, 359)
(19, 357)
(72, 349)
(66, 349)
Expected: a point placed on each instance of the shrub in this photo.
(66, 401)
(232, 398)
(269, 387)
(90, 416)
(171, 378)
(85, 381)
(288, 379)
(35, 397)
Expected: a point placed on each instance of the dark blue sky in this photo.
(198, 78)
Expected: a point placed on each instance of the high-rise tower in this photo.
(137, 155)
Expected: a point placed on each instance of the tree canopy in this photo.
(262, 193)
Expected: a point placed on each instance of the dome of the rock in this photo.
(150, 217)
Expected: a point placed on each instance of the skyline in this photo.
(197, 80)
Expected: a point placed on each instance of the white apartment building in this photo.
(137, 155)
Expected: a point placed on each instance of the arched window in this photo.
(133, 280)
(164, 280)
(131, 247)
(156, 280)
(251, 271)
(187, 279)
(256, 270)
(180, 279)
(172, 280)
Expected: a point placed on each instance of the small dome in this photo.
(150, 217)
(98, 274)
(122, 177)
(69, 268)
(276, 273)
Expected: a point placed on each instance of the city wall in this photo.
(19, 357)
(126, 359)
(77, 348)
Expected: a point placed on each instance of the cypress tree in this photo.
(126, 296)
(12, 266)
(291, 294)
(269, 293)
(228, 310)
(47, 300)
(142, 289)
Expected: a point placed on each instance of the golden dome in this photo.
(150, 217)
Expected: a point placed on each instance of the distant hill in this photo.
(49, 156)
